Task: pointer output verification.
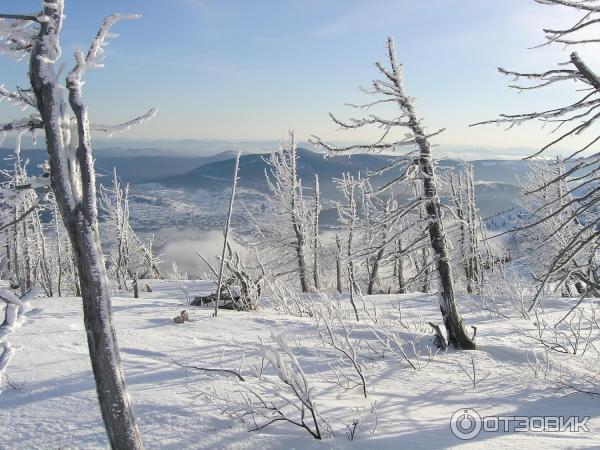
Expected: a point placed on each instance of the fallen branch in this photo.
(207, 369)
(439, 340)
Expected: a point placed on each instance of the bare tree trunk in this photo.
(348, 188)
(104, 353)
(226, 231)
(474, 250)
(288, 189)
(457, 335)
(73, 183)
(75, 273)
(338, 264)
(392, 89)
(426, 286)
(136, 289)
(400, 269)
(300, 244)
(316, 211)
(7, 250)
(351, 284)
(16, 250)
(46, 276)
(374, 271)
(298, 231)
(59, 258)
(27, 255)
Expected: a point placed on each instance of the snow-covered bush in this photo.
(179, 279)
(575, 334)
(506, 292)
(338, 335)
(283, 394)
(413, 344)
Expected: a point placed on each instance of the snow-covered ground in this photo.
(53, 402)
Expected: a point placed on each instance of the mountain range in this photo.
(497, 181)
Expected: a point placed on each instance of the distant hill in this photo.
(216, 176)
(139, 169)
(131, 169)
(498, 180)
(492, 197)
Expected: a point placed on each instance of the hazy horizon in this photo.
(249, 71)
(119, 146)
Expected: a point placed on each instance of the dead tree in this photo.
(316, 243)
(554, 232)
(338, 264)
(287, 199)
(348, 217)
(129, 257)
(399, 268)
(23, 199)
(418, 165)
(581, 195)
(72, 176)
(376, 230)
(114, 202)
(226, 231)
(462, 194)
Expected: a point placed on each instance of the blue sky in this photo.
(252, 69)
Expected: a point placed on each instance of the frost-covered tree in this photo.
(66, 126)
(282, 233)
(417, 165)
(348, 219)
(553, 234)
(378, 239)
(285, 185)
(130, 257)
(363, 220)
(576, 119)
(28, 259)
(63, 265)
(316, 242)
(467, 237)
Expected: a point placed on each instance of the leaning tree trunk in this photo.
(226, 231)
(73, 183)
(104, 352)
(392, 89)
(457, 335)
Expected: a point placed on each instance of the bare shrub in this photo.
(506, 293)
(283, 395)
(335, 333)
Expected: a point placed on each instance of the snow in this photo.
(54, 404)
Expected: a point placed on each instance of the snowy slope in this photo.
(54, 405)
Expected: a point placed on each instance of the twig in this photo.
(207, 369)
